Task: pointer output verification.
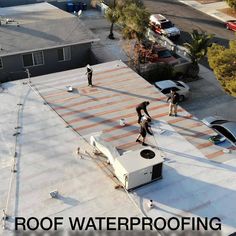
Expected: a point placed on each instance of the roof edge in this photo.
(48, 48)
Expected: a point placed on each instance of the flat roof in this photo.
(115, 95)
(41, 26)
(198, 177)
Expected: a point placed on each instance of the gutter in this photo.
(48, 48)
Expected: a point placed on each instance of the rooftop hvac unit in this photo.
(104, 147)
(136, 168)
(132, 168)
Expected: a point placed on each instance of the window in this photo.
(164, 54)
(38, 58)
(166, 90)
(64, 54)
(60, 54)
(1, 65)
(33, 59)
(28, 60)
(174, 89)
(166, 25)
(218, 122)
(225, 132)
(179, 84)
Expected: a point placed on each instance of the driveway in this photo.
(207, 98)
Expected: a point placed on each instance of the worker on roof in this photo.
(140, 107)
(90, 75)
(144, 129)
(174, 101)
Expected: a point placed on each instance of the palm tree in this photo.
(197, 49)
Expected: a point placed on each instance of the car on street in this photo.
(231, 25)
(222, 126)
(155, 53)
(180, 87)
(161, 25)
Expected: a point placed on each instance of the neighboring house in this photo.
(42, 38)
(58, 3)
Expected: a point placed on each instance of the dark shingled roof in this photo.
(41, 30)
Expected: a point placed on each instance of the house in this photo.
(42, 174)
(62, 4)
(43, 39)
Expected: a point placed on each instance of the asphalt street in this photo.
(206, 96)
(187, 19)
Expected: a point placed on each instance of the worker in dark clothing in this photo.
(174, 100)
(144, 129)
(90, 75)
(140, 107)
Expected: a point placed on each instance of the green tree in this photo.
(197, 49)
(115, 12)
(232, 4)
(223, 62)
(135, 20)
(112, 13)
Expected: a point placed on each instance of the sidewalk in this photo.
(212, 9)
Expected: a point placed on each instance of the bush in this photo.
(223, 62)
(232, 4)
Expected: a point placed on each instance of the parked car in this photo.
(223, 127)
(163, 26)
(155, 53)
(164, 55)
(180, 87)
(231, 25)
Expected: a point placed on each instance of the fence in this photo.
(164, 41)
(182, 63)
(160, 39)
